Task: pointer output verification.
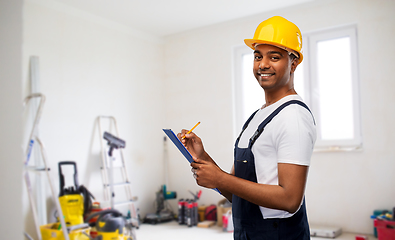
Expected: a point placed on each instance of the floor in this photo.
(174, 231)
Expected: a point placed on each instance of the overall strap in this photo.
(246, 124)
(271, 116)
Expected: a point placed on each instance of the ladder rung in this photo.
(123, 203)
(118, 184)
(114, 167)
(33, 168)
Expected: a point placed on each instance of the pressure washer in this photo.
(75, 200)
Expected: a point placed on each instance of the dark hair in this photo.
(292, 56)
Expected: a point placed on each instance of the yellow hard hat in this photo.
(279, 32)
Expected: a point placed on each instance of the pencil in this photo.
(191, 129)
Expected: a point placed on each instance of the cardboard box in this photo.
(206, 224)
(222, 208)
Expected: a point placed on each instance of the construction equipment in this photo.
(113, 141)
(71, 201)
(58, 231)
(33, 138)
(36, 158)
(110, 225)
(163, 212)
(76, 200)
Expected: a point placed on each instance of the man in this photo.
(273, 151)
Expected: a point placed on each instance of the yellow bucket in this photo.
(51, 232)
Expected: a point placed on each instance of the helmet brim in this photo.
(252, 42)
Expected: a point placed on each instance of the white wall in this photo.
(90, 67)
(343, 188)
(11, 121)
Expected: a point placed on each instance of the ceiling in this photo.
(166, 17)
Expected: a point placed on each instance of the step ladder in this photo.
(108, 170)
(33, 138)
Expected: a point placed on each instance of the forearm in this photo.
(228, 195)
(224, 192)
(270, 196)
(287, 195)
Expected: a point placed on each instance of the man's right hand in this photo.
(193, 144)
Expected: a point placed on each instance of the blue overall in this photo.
(247, 217)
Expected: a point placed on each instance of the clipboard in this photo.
(181, 147)
(178, 144)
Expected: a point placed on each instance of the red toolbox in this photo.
(385, 229)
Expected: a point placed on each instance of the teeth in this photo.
(265, 74)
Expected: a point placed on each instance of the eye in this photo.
(275, 58)
(257, 57)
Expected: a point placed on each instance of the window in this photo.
(327, 80)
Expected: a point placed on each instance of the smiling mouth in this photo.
(266, 74)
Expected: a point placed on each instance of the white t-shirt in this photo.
(288, 138)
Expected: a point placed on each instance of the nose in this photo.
(264, 63)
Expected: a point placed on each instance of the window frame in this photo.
(310, 67)
(238, 99)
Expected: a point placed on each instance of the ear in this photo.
(294, 64)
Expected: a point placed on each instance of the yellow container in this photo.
(112, 235)
(51, 232)
(201, 212)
